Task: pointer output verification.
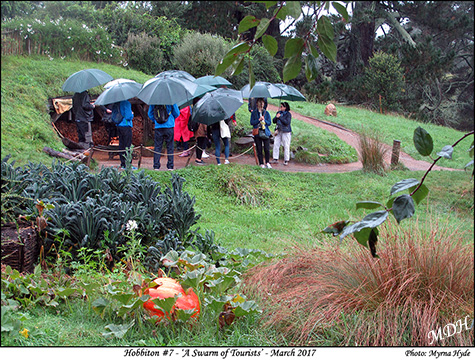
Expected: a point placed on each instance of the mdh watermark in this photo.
(449, 330)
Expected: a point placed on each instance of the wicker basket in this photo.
(20, 246)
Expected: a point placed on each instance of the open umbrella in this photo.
(86, 79)
(261, 89)
(200, 91)
(212, 80)
(177, 73)
(217, 105)
(290, 93)
(116, 81)
(166, 90)
(119, 92)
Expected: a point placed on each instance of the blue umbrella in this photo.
(212, 80)
(200, 91)
(261, 89)
(86, 79)
(119, 92)
(217, 105)
(290, 93)
(166, 90)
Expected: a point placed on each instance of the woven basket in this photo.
(20, 246)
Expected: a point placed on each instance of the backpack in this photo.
(118, 117)
(160, 114)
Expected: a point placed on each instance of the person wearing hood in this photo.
(164, 118)
(283, 133)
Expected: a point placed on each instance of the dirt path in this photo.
(246, 155)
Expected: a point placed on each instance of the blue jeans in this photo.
(217, 143)
(163, 135)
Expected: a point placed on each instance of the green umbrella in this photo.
(177, 73)
(200, 91)
(290, 93)
(217, 105)
(119, 92)
(212, 80)
(166, 90)
(86, 79)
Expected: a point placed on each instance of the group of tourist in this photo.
(171, 125)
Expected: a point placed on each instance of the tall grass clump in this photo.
(372, 152)
(332, 296)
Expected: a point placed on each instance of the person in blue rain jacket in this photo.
(164, 133)
(123, 109)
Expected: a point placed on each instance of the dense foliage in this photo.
(93, 212)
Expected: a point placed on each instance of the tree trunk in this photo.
(361, 37)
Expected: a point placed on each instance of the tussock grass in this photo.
(423, 280)
(372, 152)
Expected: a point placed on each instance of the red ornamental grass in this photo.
(423, 280)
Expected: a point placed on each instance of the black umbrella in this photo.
(217, 105)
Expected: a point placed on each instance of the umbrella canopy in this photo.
(217, 105)
(116, 81)
(119, 92)
(212, 80)
(166, 90)
(261, 89)
(200, 91)
(177, 73)
(86, 79)
(290, 93)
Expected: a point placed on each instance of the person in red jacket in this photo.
(182, 134)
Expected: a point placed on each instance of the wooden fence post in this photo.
(395, 153)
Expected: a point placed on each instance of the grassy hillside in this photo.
(27, 83)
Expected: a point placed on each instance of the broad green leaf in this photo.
(124, 298)
(231, 57)
(470, 163)
(270, 43)
(293, 8)
(99, 305)
(246, 308)
(267, 3)
(470, 150)
(247, 23)
(292, 68)
(65, 292)
(137, 303)
(281, 13)
(403, 185)
(325, 28)
(423, 142)
(314, 51)
(252, 77)
(262, 27)
(192, 279)
(328, 47)
(369, 221)
(166, 305)
(368, 205)
(311, 68)
(184, 315)
(362, 236)
(293, 47)
(420, 194)
(403, 207)
(341, 10)
(118, 330)
(446, 152)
